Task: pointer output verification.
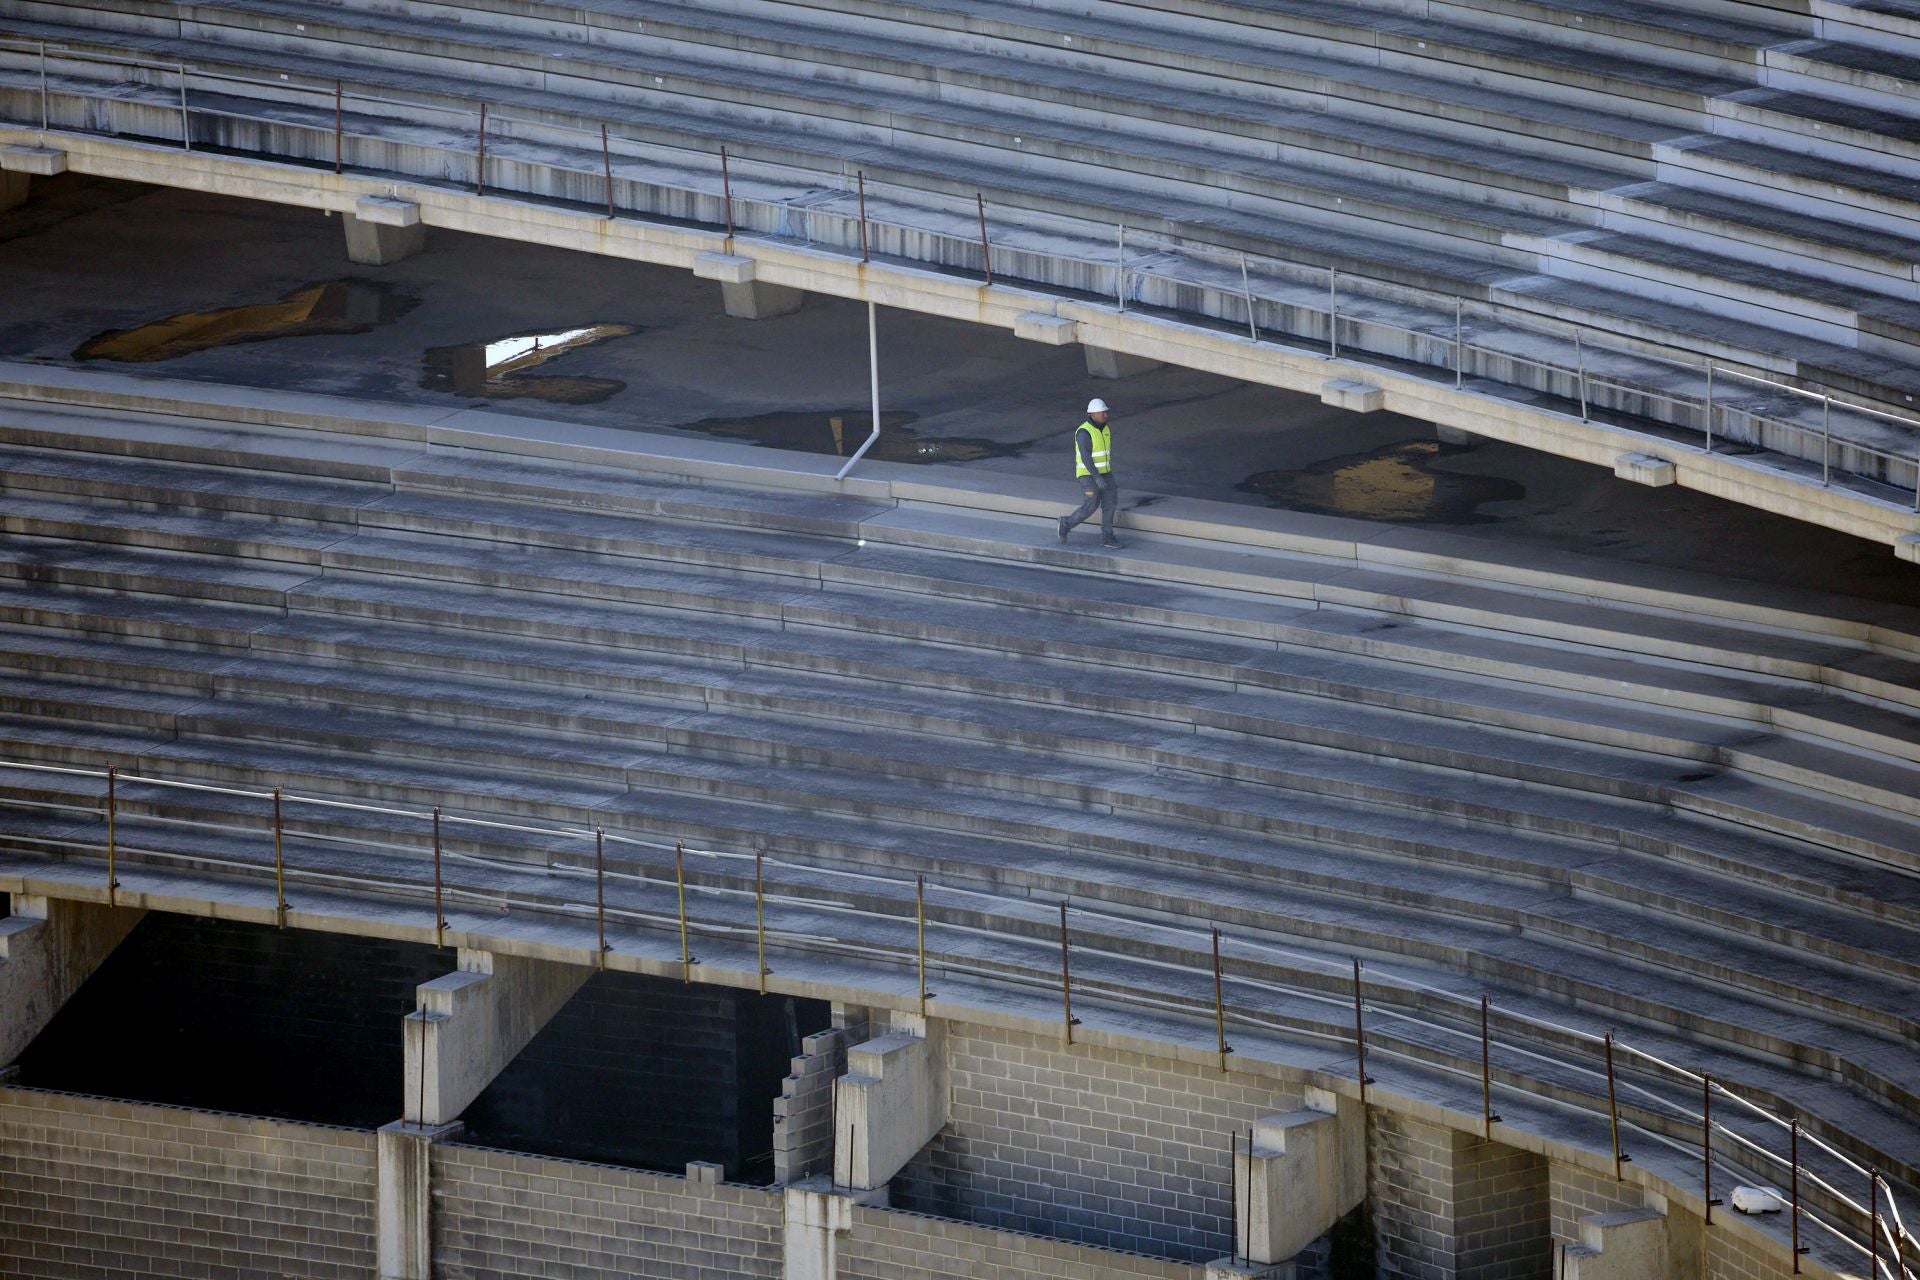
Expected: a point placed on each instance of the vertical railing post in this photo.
(1068, 1021)
(1826, 439)
(1873, 1221)
(606, 167)
(1709, 406)
(680, 885)
(1333, 313)
(339, 124)
(1120, 269)
(1486, 1072)
(46, 118)
(1459, 344)
(1706, 1145)
(1613, 1113)
(1246, 1216)
(439, 915)
(1794, 1160)
(279, 866)
(1580, 359)
(1233, 1185)
(600, 892)
(760, 915)
(113, 835)
(920, 935)
(480, 160)
(1246, 291)
(726, 190)
(1360, 1037)
(986, 250)
(186, 123)
(861, 177)
(1219, 1005)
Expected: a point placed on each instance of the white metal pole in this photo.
(1709, 406)
(1333, 313)
(1246, 288)
(1459, 347)
(873, 373)
(1120, 270)
(43, 86)
(186, 127)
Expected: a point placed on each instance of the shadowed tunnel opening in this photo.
(229, 1016)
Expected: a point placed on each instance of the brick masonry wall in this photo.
(888, 1244)
(498, 1214)
(1449, 1205)
(1087, 1145)
(1577, 1193)
(93, 1188)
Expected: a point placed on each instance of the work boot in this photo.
(1112, 544)
(1060, 527)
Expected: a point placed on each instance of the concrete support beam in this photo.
(1053, 331)
(40, 162)
(1908, 548)
(1356, 397)
(743, 295)
(48, 948)
(1644, 468)
(403, 1208)
(472, 1023)
(1102, 363)
(1453, 435)
(891, 1102)
(382, 230)
(1240, 1269)
(1305, 1172)
(1627, 1244)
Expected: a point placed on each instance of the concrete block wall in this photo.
(1731, 1256)
(803, 1113)
(888, 1244)
(95, 1187)
(1449, 1204)
(1575, 1193)
(1087, 1145)
(502, 1214)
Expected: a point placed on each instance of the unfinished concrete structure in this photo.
(583, 702)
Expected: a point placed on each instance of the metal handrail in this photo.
(1892, 1227)
(1138, 268)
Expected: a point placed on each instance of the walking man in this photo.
(1093, 467)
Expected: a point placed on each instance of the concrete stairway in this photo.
(1712, 180)
(1612, 805)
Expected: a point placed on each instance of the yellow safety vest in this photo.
(1101, 439)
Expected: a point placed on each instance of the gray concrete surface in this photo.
(86, 256)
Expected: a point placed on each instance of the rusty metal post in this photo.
(600, 892)
(439, 916)
(1233, 1184)
(1706, 1145)
(1486, 1072)
(1613, 1112)
(1794, 1160)
(279, 867)
(480, 164)
(1360, 1035)
(1246, 1217)
(986, 250)
(1068, 1021)
(861, 177)
(920, 926)
(113, 834)
(45, 116)
(726, 190)
(760, 915)
(606, 167)
(339, 123)
(680, 883)
(1219, 1005)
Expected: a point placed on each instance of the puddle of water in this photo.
(841, 434)
(501, 369)
(1395, 482)
(332, 307)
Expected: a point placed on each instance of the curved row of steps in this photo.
(1695, 823)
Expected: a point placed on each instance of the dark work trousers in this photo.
(1104, 496)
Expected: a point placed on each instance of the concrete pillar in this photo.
(383, 230)
(1102, 363)
(20, 164)
(13, 190)
(48, 948)
(742, 293)
(1306, 1170)
(890, 1103)
(403, 1208)
(1453, 1206)
(472, 1023)
(813, 1218)
(1626, 1244)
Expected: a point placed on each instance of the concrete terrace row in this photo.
(1698, 825)
(1730, 180)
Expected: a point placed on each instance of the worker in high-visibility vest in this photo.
(1093, 467)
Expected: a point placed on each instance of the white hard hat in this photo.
(1097, 406)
